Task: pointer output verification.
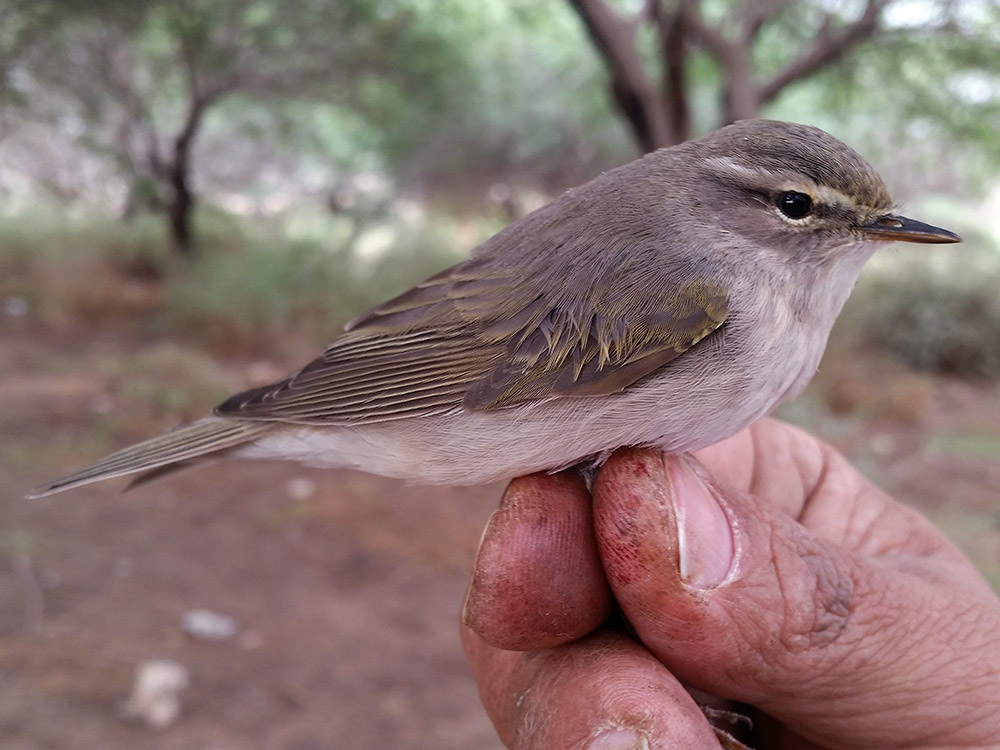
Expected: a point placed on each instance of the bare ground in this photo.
(346, 588)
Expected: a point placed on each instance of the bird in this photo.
(670, 302)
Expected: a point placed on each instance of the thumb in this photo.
(737, 598)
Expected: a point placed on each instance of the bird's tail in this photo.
(157, 455)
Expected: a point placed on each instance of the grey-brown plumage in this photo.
(669, 302)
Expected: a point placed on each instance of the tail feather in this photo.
(198, 439)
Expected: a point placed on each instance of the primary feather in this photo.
(197, 440)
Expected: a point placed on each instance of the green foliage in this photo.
(928, 87)
(535, 100)
(312, 91)
(312, 96)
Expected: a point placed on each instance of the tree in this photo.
(659, 112)
(143, 77)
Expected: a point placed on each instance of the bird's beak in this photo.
(889, 228)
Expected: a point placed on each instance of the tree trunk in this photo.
(739, 91)
(635, 93)
(180, 210)
(673, 49)
(181, 200)
(660, 115)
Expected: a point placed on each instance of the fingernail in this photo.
(619, 739)
(467, 607)
(467, 603)
(704, 531)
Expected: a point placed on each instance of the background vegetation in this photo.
(246, 176)
(195, 195)
(331, 152)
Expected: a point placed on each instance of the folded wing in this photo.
(474, 338)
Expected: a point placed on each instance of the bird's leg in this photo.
(726, 739)
(589, 466)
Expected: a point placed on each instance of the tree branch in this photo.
(755, 15)
(633, 90)
(713, 40)
(740, 92)
(672, 34)
(827, 48)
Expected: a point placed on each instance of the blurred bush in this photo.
(249, 290)
(936, 308)
(258, 288)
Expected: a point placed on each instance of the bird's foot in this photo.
(717, 716)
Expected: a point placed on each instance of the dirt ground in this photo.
(345, 588)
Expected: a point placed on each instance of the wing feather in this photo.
(571, 302)
(539, 353)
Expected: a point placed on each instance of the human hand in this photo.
(770, 573)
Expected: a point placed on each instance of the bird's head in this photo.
(798, 191)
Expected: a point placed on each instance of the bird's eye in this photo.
(795, 205)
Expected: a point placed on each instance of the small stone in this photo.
(206, 625)
(15, 307)
(155, 697)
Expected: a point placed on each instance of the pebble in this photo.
(156, 693)
(206, 625)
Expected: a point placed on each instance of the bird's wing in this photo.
(472, 337)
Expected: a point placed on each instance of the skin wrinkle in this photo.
(850, 652)
(834, 599)
(831, 607)
(914, 694)
(867, 539)
(818, 487)
(860, 535)
(812, 476)
(911, 630)
(984, 711)
(895, 532)
(754, 661)
(872, 685)
(533, 728)
(526, 724)
(835, 607)
(872, 651)
(785, 599)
